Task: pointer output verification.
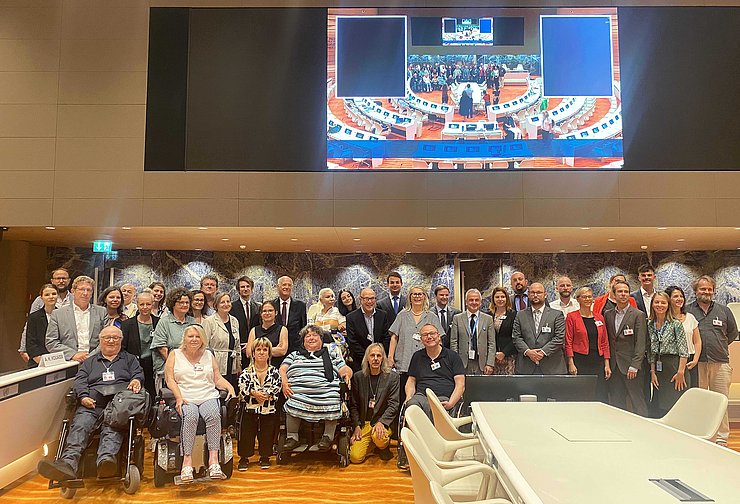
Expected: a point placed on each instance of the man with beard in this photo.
(565, 302)
(718, 328)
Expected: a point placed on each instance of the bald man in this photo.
(366, 325)
(538, 335)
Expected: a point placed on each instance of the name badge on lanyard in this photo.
(471, 354)
(628, 331)
(198, 367)
(371, 403)
(717, 322)
(435, 366)
(416, 336)
(546, 329)
(109, 375)
(599, 323)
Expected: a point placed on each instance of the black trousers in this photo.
(260, 427)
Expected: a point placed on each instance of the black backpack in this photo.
(125, 404)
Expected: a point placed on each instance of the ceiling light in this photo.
(675, 250)
(562, 250)
(612, 251)
(139, 248)
(294, 239)
(585, 245)
(202, 228)
(360, 251)
(455, 252)
(242, 247)
(421, 239)
(548, 239)
(279, 228)
(224, 239)
(612, 239)
(662, 228)
(50, 228)
(126, 228)
(481, 239)
(354, 228)
(307, 250)
(681, 240)
(355, 239)
(507, 252)
(643, 247)
(506, 228)
(431, 228)
(198, 250)
(585, 228)
(258, 250)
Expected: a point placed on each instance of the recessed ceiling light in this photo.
(307, 250)
(612, 251)
(431, 228)
(737, 229)
(258, 250)
(506, 228)
(507, 252)
(50, 228)
(294, 239)
(139, 248)
(643, 247)
(662, 228)
(224, 239)
(126, 228)
(585, 228)
(585, 245)
(455, 252)
(279, 228)
(481, 239)
(360, 251)
(548, 239)
(407, 252)
(197, 250)
(421, 239)
(681, 240)
(202, 228)
(354, 228)
(675, 250)
(242, 247)
(612, 239)
(355, 239)
(562, 250)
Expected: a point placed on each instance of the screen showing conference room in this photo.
(508, 88)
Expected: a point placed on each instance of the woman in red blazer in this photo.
(586, 342)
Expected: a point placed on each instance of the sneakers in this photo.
(265, 463)
(215, 472)
(324, 444)
(402, 462)
(722, 442)
(290, 444)
(385, 454)
(57, 470)
(186, 474)
(243, 464)
(107, 468)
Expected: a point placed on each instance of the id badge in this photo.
(108, 376)
(471, 354)
(547, 329)
(435, 366)
(659, 366)
(416, 336)
(371, 404)
(198, 368)
(599, 323)
(629, 332)
(717, 323)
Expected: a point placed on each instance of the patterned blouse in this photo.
(249, 382)
(669, 340)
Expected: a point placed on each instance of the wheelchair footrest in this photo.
(72, 483)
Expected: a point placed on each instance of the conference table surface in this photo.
(588, 452)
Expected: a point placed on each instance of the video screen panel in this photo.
(484, 106)
(467, 31)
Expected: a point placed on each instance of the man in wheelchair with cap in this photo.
(99, 377)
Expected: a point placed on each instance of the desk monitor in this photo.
(567, 105)
(502, 388)
(395, 116)
(507, 105)
(386, 114)
(604, 125)
(453, 125)
(434, 105)
(445, 108)
(348, 131)
(571, 137)
(584, 133)
(360, 135)
(595, 130)
(611, 121)
(490, 126)
(470, 127)
(425, 103)
(562, 109)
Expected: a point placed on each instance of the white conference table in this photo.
(588, 452)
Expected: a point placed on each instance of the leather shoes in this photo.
(107, 468)
(324, 443)
(290, 444)
(385, 454)
(57, 470)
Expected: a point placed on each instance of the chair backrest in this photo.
(735, 309)
(698, 412)
(419, 423)
(423, 470)
(440, 494)
(442, 420)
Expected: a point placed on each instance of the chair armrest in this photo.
(458, 422)
(489, 476)
(462, 443)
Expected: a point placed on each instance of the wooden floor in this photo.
(306, 481)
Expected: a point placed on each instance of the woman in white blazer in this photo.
(222, 333)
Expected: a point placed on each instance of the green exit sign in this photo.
(102, 246)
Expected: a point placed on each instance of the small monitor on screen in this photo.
(467, 31)
(386, 114)
(470, 127)
(454, 126)
(374, 138)
(445, 108)
(571, 137)
(360, 135)
(611, 121)
(562, 109)
(595, 130)
(507, 105)
(426, 103)
(567, 105)
(490, 126)
(348, 131)
(604, 125)
(434, 105)
(584, 133)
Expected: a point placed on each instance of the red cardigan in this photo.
(576, 337)
(600, 303)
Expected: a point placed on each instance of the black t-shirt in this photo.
(440, 380)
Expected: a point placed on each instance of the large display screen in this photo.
(552, 103)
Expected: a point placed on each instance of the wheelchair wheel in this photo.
(228, 468)
(343, 449)
(160, 475)
(67, 493)
(133, 480)
(282, 457)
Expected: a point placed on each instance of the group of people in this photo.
(645, 347)
(428, 77)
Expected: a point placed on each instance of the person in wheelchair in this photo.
(311, 377)
(98, 377)
(193, 376)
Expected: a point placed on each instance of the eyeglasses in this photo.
(197, 301)
(428, 334)
(110, 338)
(183, 302)
(417, 293)
(368, 298)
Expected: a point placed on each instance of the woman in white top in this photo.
(192, 375)
(222, 336)
(327, 316)
(690, 327)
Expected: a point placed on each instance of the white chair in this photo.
(735, 309)
(444, 423)
(441, 496)
(463, 481)
(440, 448)
(698, 412)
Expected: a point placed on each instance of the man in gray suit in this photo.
(74, 329)
(473, 336)
(444, 311)
(538, 334)
(627, 330)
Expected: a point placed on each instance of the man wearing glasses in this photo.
(74, 329)
(60, 280)
(93, 385)
(434, 367)
(366, 325)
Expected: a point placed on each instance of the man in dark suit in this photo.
(644, 295)
(519, 284)
(627, 330)
(394, 302)
(474, 337)
(132, 338)
(444, 311)
(538, 334)
(244, 309)
(374, 405)
(366, 325)
(74, 329)
(290, 312)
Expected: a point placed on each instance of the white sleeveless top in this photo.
(195, 381)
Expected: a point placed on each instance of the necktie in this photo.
(443, 318)
(537, 316)
(473, 335)
(246, 310)
(395, 304)
(284, 313)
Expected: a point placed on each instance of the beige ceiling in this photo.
(369, 239)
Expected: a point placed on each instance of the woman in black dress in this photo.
(503, 321)
(37, 323)
(270, 329)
